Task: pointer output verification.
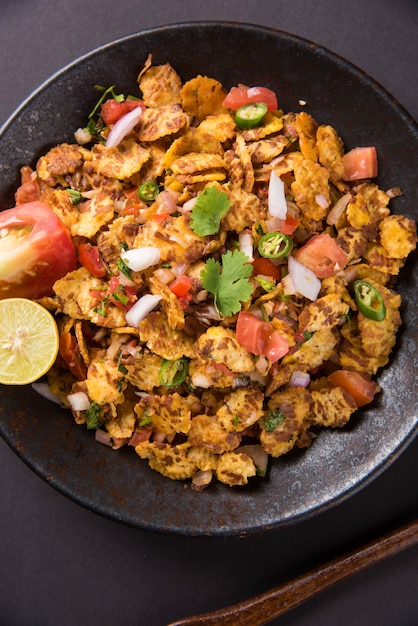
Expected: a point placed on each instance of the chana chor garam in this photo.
(222, 274)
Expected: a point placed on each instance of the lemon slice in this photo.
(29, 341)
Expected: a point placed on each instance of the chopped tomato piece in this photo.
(29, 189)
(89, 257)
(361, 390)
(266, 267)
(322, 255)
(122, 296)
(181, 286)
(360, 163)
(112, 110)
(239, 96)
(288, 226)
(70, 352)
(259, 337)
(35, 251)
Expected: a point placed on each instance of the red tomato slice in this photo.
(259, 337)
(266, 267)
(35, 250)
(360, 163)
(322, 255)
(112, 110)
(89, 258)
(238, 96)
(362, 390)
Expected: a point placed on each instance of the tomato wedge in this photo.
(240, 96)
(35, 251)
(259, 337)
(112, 110)
(360, 163)
(89, 257)
(362, 390)
(322, 255)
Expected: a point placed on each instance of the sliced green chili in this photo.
(275, 245)
(250, 115)
(148, 191)
(173, 373)
(369, 301)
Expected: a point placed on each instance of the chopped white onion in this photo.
(44, 391)
(123, 127)
(304, 280)
(257, 453)
(338, 209)
(103, 437)
(188, 205)
(79, 401)
(246, 244)
(299, 379)
(82, 136)
(138, 259)
(141, 308)
(277, 200)
(321, 200)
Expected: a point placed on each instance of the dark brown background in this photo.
(61, 564)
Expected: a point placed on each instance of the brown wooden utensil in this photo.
(266, 606)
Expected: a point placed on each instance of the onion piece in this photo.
(44, 390)
(338, 209)
(257, 453)
(304, 280)
(141, 308)
(79, 401)
(299, 379)
(246, 244)
(123, 127)
(103, 437)
(277, 200)
(138, 259)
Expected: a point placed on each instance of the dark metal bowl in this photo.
(303, 483)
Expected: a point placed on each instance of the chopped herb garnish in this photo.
(145, 420)
(122, 267)
(210, 207)
(75, 195)
(273, 419)
(93, 415)
(267, 285)
(228, 282)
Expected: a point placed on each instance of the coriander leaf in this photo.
(273, 419)
(230, 286)
(211, 205)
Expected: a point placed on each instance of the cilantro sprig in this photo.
(228, 282)
(210, 207)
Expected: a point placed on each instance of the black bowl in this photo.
(118, 484)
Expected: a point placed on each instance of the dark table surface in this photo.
(63, 565)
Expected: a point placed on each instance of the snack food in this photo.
(224, 308)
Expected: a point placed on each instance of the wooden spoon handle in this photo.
(263, 608)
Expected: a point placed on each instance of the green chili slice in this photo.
(173, 373)
(369, 301)
(250, 115)
(275, 245)
(148, 191)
